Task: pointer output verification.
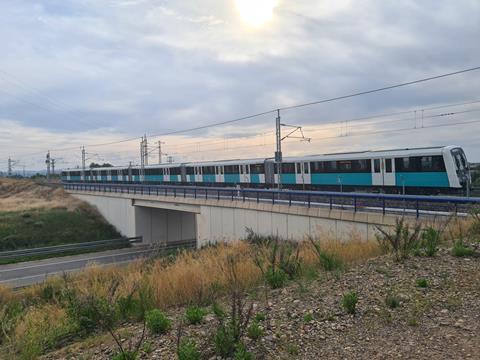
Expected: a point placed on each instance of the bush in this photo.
(422, 283)
(460, 250)
(260, 317)
(218, 311)
(392, 301)
(308, 317)
(194, 315)
(401, 241)
(254, 331)
(187, 350)
(276, 278)
(129, 307)
(157, 322)
(327, 260)
(349, 302)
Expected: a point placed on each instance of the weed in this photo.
(430, 239)
(392, 301)
(460, 250)
(260, 317)
(241, 353)
(308, 317)
(276, 278)
(147, 347)
(187, 350)
(349, 302)
(292, 349)
(195, 314)
(254, 331)
(412, 321)
(422, 283)
(127, 355)
(157, 322)
(402, 241)
(218, 311)
(327, 260)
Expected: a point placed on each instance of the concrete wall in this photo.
(161, 219)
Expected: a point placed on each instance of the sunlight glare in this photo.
(256, 12)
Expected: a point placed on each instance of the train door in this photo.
(269, 172)
(303, 174)
(244, 173)
(219, 174)
(383, 172)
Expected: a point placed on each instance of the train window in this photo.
(344, 166)
(305, 168)
(288, 168)
(247, 169)
(189, 170)
(317, 167)
(299, 168)
(232, 169)
(432, 163)
(362, 166)
(209, 170)
(257, 168)
(388, 165)
(330, 166)
(376, 165)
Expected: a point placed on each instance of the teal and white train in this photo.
(420, 170)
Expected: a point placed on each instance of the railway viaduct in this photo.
(167, 219)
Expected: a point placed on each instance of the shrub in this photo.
(187, 350)
(254, 331)
(349, 302)
(401, 241)
(392, 301)
(276, 278)
(128, 307)
(157, 322)
(195, 314)
(422, 283)
(292, 349)
(460, 250)
(218, 311)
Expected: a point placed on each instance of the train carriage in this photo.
(420, 170)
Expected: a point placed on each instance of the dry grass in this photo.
(197, 277)
(21, 195)
(6, 294)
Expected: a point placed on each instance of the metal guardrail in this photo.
(386, 203)
(58, 249)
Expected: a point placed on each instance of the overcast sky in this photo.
(95, 71)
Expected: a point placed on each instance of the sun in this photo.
(256, 12)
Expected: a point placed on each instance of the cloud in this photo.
(88, 70)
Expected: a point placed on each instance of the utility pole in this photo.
(47, 161)
(53, 166)
(145, 150)
(278, 153)
(10, 165)
(160, 151)
(83, 162)
(142, 158)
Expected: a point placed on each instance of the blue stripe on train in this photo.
(232, 178)
(422, 179)
(154, 178)
(364, 179)
(289, 178)
(174, 178)
(209, 178)
(255, 178)
(191, 178)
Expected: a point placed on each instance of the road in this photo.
(33, 272)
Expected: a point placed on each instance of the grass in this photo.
(349, 302)
(192, 277)
(49, 227)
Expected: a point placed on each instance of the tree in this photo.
(95, 165)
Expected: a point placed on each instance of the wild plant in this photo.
(349, 302)
(401, 241)
(326, 259)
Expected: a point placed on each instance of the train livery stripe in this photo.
(289, 179)
(364, 179)
(209, 178)
(255, 178)
(422, 179)
(232, 178)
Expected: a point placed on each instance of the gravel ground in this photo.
(305, 320)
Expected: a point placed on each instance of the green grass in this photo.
(49, 227)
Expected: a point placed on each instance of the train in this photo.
(426, 170)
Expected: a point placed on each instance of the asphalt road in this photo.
(33, 272)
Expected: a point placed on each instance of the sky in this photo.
(88, 72)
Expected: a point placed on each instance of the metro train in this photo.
(412, 171)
